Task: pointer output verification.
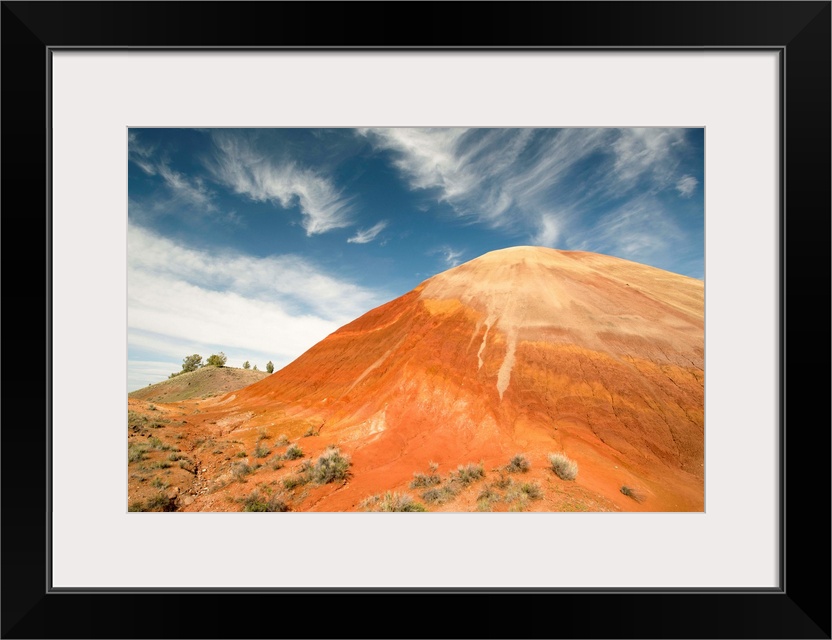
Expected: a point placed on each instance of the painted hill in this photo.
(205, 382)
(526, 351)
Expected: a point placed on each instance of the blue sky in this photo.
(261, 242)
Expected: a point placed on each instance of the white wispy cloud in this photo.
(450, 256)
(646, 151)
(140, 153)
(143, 372)
(293, 281)
(540, 182)
(500, 177)
(363, 236)
(193, 192)
(466, 171)
(548, 231)
(239, 165)
(183, 300)
(428, 157)
(173, 350)
(686, 185)
(640, 230)
(180, 312)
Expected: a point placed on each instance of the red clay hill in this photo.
(526, 351)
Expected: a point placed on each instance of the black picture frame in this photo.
(799, 608)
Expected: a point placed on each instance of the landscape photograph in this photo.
(484, 320)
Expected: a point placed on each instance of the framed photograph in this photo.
(167, 155)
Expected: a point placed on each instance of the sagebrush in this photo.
(392, 501)
(564, 467)
(256, 501)
(518, 464)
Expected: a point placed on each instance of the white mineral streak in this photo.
(505, 291)
(504, 374)
(488, 324)
(373, 366)
(544, 292)
(378, 422)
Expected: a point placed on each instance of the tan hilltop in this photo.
(205, 382)
(526, 350)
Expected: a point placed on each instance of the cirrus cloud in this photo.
(686, 185)
(185, 300)
(239, 165)
(363, 236)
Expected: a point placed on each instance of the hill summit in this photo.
(205, 382)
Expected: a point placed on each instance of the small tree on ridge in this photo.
(191, 363)
(217, 360)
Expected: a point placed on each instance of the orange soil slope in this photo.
(527, 350)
